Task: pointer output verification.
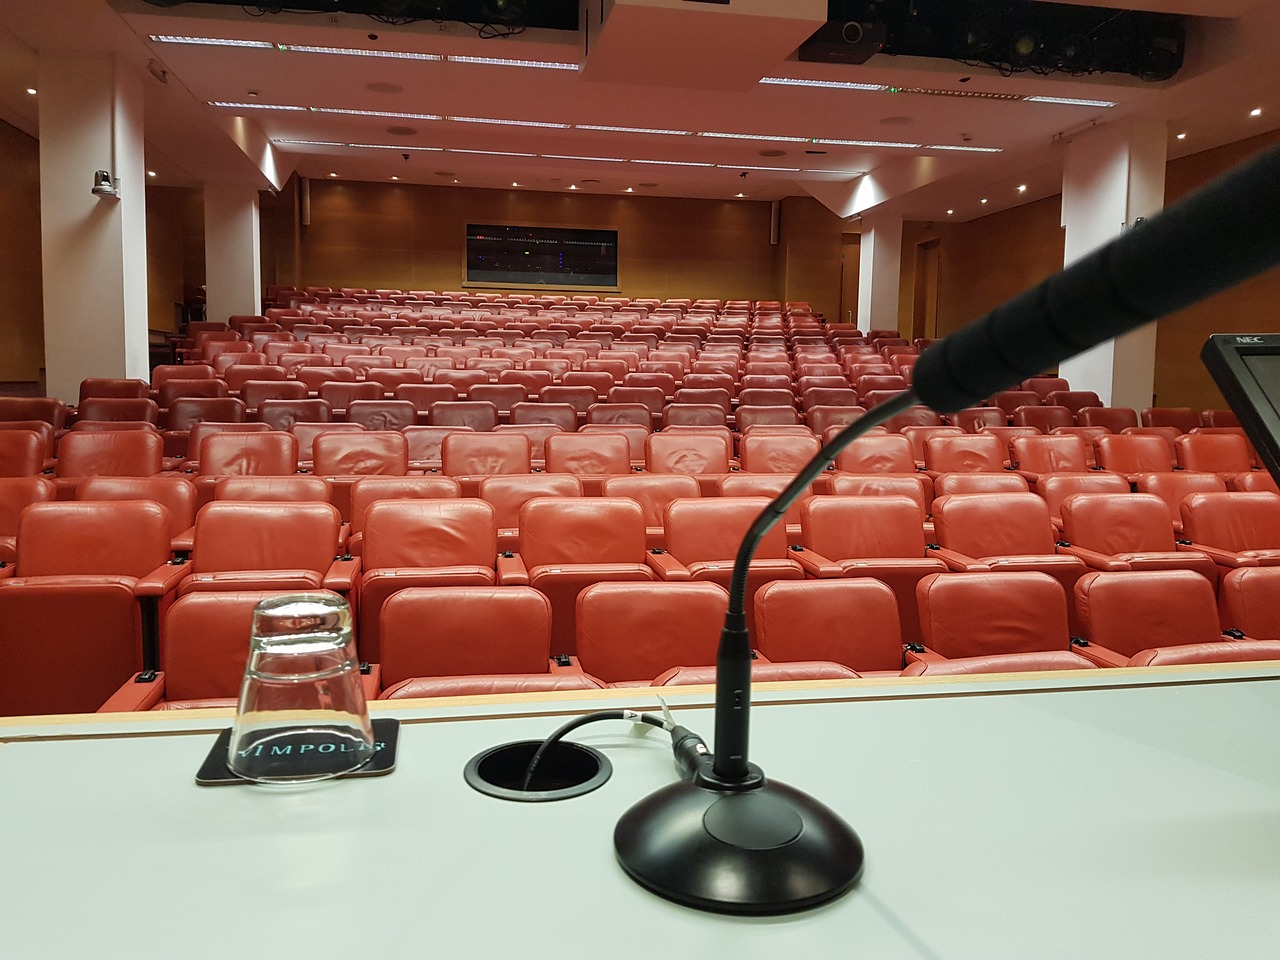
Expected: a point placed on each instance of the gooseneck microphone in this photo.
(725, 838)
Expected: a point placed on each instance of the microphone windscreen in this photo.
(1205, 243)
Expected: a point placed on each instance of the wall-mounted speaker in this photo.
(304, 201)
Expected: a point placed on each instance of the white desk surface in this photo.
(1111, 814)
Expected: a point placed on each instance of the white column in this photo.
(1112, 177)
(232, 251)
(94, 249)
(879, 270)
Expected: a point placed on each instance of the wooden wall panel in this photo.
(22, 306)
(412, 237)
(175, 251)
(1252, 307)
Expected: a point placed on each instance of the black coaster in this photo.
(302, 755)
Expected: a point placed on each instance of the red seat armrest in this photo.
(1101, 656)
(1223, 558)
(667, 567)
(342, 574)
(6, 572)
(923, 655)
(1094, 560)
(815, 564)
(511, 571)
(184, 541)
(162, 580)
(956, 561)
(135, 695)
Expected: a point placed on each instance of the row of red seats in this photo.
(566, 544)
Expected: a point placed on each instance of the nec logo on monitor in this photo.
(1251, 339)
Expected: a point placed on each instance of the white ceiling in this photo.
(646, 64)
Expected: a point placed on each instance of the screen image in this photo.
(1265, 368)
(541, 256)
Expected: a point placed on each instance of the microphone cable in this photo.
(689, 748)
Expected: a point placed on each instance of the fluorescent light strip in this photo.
(826, 84)
(1071, 102)
(674, 133)
(394, 146)
(511, 123)
(310, 143)
(675, 163)
(870, 143)
(959, 149)
(730, 166)
(557, 156)
(844, 173)
(502, 62)
(965, 94)
(378, 113)
(752, 136)
(490, 153)
(212, 41)
(356, 52)
(254, 106)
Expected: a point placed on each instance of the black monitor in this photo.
(1246, 368)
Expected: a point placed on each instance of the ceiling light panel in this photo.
(753, 136)
(378, 113)
(673, 133)
(503, 62)
(558, 156)
(870, 143)
(511, 123)
(731, 166)
(394, 146)
(962, 149)
(824, 84)
(491, 153)
(1072, 102)
(212, 41)
(358, 52)
(255, 106)
(675, 163)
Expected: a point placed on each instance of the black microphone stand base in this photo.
(769, 849)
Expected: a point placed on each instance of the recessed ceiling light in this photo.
(573, 186)
(503, 62)
(514, 184)
(333, 174)
(1255, 112)
(212, 41)
(31, 90)
(950, 212)
(743, 195)
(151, 173)
(511, 123)
(357, 52)
(984, 200)
(456, 181)
(673, 133)
(395, 178)
(629, 190)
(827, 84)
(1022, 188)
(1182, 136)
